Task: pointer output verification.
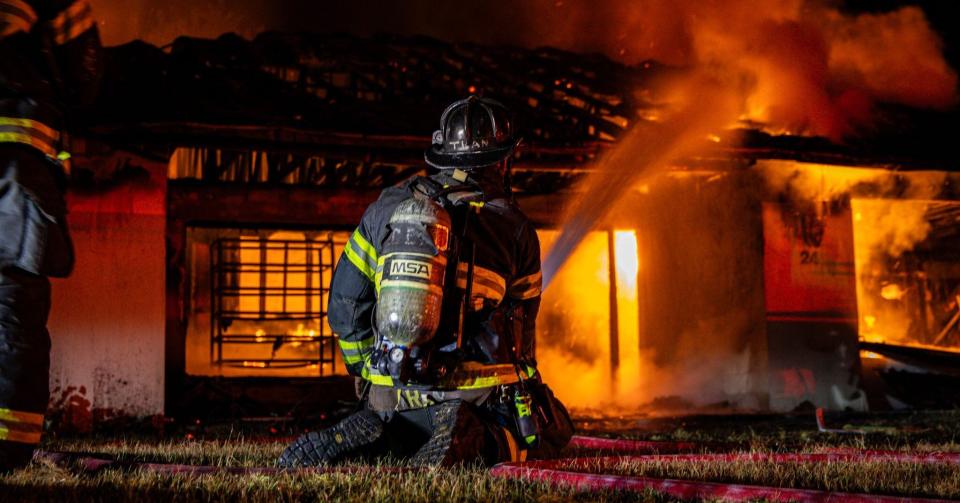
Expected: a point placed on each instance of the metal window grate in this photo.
(269, 302)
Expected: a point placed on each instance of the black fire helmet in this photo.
(474, 132)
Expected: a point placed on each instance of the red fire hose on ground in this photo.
(569, 471)
(572, 471)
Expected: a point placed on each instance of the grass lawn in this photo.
(922, 431)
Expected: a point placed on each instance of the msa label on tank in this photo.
(406, 267)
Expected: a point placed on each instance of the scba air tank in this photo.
(412, 275)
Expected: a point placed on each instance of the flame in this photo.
(800, 66)
(628, 387)
(889, 212)
(261, 280)
(885, 230)
(573, 346)
(892, 291)
(574, 329)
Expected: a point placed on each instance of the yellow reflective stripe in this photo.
(16, 15)
(530, 279)
(352, 359)
(364, 245)
(527, 287)
(378, 275)
(358, 262)
(72, 22)
(362, 254)
(20, 426)
(356, 345)
(481, 290)
(380, 380)
(20, 123)
(482, 272)
(529, 293)
(470, 375)
(23, 437)
(29, 132)
(17, 416)
(486, 283)
(26, 139)
(355, 352)
(476, 382)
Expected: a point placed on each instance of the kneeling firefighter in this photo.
(435, 300)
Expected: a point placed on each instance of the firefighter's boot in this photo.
(350, 438)
(459, 436)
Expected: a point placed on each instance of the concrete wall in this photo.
(107, 322)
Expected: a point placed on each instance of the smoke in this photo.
(895, 203)
(890, 212)
(160, 22)
(701, 105)
(690, 300)
(795, 66)
(801, 66)
(890, 228)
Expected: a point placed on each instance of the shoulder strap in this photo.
(439, 192)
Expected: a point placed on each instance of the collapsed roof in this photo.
(314, 92)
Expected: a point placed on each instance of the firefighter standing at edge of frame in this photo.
(434, 301)
(49, 67)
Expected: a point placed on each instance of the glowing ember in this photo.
(892, 292)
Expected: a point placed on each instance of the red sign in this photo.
(808, 264)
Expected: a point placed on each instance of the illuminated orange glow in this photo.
(262, 289)
(802, 67)
(892, 292)
(903, 282)
(573, 328)
(628, 376)
(573, 345)
(885, 229)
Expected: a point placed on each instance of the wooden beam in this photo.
(266, 205)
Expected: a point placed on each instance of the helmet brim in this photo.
(443, 160)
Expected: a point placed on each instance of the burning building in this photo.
(216, 186)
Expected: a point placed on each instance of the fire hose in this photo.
(565, 471)
(92, 464)
(571, 471)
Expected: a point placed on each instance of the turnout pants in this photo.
(474, 425)
(34, 244)
(433, 429)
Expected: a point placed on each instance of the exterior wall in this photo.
(701, 289)
(107, 321)
(811, 303)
